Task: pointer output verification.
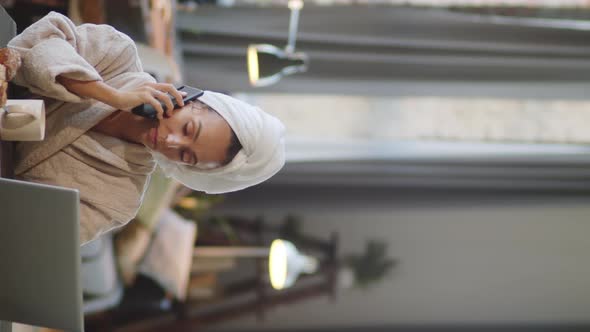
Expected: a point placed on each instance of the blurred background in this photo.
(437, 176)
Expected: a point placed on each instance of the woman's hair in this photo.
(232, 150)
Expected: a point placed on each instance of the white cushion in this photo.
(168, 259)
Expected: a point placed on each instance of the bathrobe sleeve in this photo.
(95, 222)
(54, 46)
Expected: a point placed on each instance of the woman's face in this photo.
(193, 135)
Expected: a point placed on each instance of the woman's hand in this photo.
(150, 93)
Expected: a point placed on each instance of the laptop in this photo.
(39, 256)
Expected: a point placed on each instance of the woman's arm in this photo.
(150, 93)
(89, 89)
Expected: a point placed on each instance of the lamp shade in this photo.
(267, 64)
(286, 263)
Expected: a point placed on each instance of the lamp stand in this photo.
(295, 6)
(248, 252)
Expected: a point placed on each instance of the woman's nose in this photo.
(173, 141)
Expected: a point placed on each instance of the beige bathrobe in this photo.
(110, 174)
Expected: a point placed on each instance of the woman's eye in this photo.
(186, 129)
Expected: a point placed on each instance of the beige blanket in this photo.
(110, 174)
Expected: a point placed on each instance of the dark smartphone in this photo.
(148, 111)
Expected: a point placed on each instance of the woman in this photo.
(90, 77)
